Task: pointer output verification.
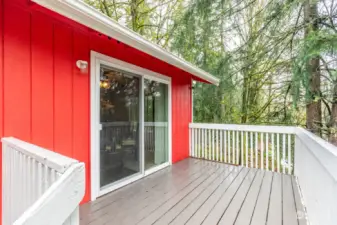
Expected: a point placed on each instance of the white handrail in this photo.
(316, 171)
(59, 201)
(51, 159)
(35, 180)
(242, 127)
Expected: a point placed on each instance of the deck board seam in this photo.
(218, 199)
(133, 193)
(166, 171)
(201, 175)
(271, 189)
(237, 215)
(230, 202)
(257, 198)
(206, 177)
(224, 193)
(204, 189)
(230, 170)
(105, 213)
(201, 192)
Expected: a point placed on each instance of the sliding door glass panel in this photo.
(119, 118)
(156, 123)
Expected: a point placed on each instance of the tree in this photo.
(152, 19)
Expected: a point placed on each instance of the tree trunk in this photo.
(313, 106)
(333, 116)
(244, 99)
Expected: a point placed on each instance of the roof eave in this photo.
(90, 17)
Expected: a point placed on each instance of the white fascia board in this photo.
(90, 17)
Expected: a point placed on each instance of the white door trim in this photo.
(96, 59)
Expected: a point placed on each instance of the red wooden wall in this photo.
(44, 99)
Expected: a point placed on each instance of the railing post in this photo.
(74, 218)
(297, 152)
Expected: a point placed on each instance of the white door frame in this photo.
(96, 59)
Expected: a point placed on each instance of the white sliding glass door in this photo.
(130, 121)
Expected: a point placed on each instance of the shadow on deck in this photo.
(201, 192)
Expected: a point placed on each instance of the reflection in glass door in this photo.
(156, 123)
(120, 125)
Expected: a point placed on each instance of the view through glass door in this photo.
(120, 125)
(122, 152)
(156, 123)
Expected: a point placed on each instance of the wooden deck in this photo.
(201, 192)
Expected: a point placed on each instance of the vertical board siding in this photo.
(1, 96)
(45, 99)
(181, 115)
(63, 84)
(17, 73)
(81, 108)
(42, 80)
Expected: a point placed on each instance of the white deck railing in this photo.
(289, 150)
(316, 172)
(39, 186)
(264, 147)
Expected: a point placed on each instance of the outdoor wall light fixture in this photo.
(82, 65)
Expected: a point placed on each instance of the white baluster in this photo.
(225, 146)
(202, 143)
(233, 147)
(242, 159)
(289, 154)
(229, 146)
(283, 152)
(209, 149)
(262, 151)
(251, 149)
(221, 151)
(246, 134)
(217, 145)
(256, 148)
(267, 151)
(237, 147)
(272, 153)
(213, 151)
(278, 152)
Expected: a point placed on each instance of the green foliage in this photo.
(258, 49)
(322, 43)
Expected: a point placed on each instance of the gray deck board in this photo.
(204, 188)
(169, 199)
(230, 214)
(195, 214)
(200, 192)
(216, 213)
(275, 202)
(289, 207)
(261, 208)
(248, 206)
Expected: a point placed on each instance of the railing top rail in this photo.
(64, 196)
(250, 128)
(56, 161)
